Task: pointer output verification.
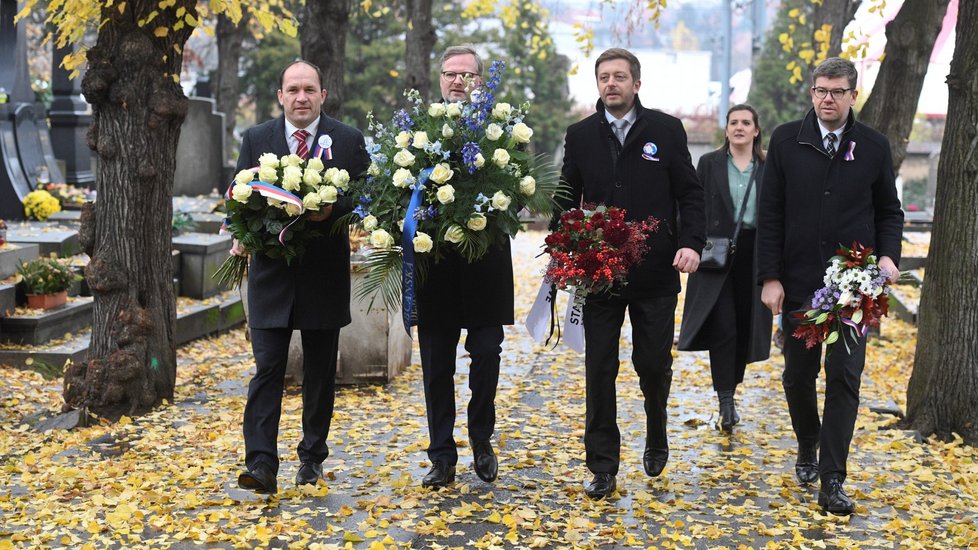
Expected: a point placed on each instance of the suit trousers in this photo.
(264, 407)
(653, 327)
(729, 323)
(843, 373)
(438, 345)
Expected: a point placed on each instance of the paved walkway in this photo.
(167, 479)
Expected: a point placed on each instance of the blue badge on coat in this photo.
(649, 150)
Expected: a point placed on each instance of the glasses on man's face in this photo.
(837, 93)
(450, 76)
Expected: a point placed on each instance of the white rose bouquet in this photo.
(466, 168)
(265, 207)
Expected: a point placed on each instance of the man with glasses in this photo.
(456, 294)
(828, 181)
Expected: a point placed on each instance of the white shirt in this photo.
(826, 132)
(294, 143)
(630, 116)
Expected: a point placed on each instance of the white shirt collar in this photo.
(291, 128)
(630, 116)
(825, 132)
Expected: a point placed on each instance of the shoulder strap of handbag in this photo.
(743, 205)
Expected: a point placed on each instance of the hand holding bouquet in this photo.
(265, 207)
(593, 248)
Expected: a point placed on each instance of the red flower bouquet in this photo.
(593, 248)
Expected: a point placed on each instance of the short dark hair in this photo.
(463, 49)
(835, 67)
(620, 53)
(281, 76)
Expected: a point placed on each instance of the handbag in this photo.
(719, 250)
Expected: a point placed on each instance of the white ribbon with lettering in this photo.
(574, 323)
(538, 321)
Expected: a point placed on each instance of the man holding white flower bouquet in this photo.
(828, 182)
(308, 292)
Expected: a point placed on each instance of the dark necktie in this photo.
(302, 150)
(830, 146)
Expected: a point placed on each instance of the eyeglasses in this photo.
(449, 76)
(837, 93)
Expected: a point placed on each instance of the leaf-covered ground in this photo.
(167, 479)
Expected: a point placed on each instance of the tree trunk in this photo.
(137, 110)
(942, 397)
(323, 38)
(910, 40)
(838, 14)
(420, 40)
(229, 40)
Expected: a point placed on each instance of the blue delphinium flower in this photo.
(469, 152)
(403, 120)
(363, 208)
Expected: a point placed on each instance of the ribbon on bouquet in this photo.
(541, 320)
(408, 314)
(270, 191)
(861, 329)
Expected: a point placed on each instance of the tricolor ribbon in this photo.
(407, 246)
(860, 328)
(849, 156)
(268, 190)
(324, 148)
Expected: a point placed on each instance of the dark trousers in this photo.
(264, 407)
(843, 371)
(438, 344)
(653, 326)
(729, 323)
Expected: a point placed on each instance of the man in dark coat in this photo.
(311, 294)
(828, 181)
(647, 171)
(456, 294)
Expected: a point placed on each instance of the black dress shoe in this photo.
(728, 411)
(806, 466)
(309, 473)
(654, 461)
(601, 486)
(260, 479)
(833, 499)
(484, 460)
(440, 475)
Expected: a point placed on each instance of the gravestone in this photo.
(70, 117)
(200, 151)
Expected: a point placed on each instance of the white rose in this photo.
(420, 140)
(477, 222)
(445, 194)
(454, 234)
(268, 159)
(341, 178)
(373, 170)
(291, 178)
(311, 201)
(241, 192)
(327, 194)
(500, 157)
(370, 223)
(315, 163)
(422, 242)
(404, 158)
(402, 177)
(500, 200)
(436, 110)
(381, 239)
(453, 110)
(493, 132)
(244, 176)
(446, 131)
(291, 160)
(501, 110)
(441, 173)
(312, 177)
(479, 161)
(522, 133)
(528, 185)
(402, 139)
(292, 209)
(267, 174)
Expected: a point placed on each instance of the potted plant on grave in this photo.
(47, 281)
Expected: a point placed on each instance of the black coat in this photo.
(314, 291)
(703, 287)
(663, 185)
(811, 203)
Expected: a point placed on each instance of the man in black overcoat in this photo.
(828, 181)
(311, 295)
(644, 167)
(456, 294)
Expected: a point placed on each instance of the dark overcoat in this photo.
(314, 291)
(703, 287)
(651, 174)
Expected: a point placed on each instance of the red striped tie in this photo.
(302, 150)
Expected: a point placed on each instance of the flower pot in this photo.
(47, 301)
